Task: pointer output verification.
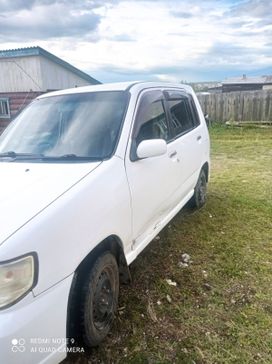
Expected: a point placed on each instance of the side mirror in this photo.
(151, 148)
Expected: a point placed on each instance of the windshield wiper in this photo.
(72, 157)
(14, 155)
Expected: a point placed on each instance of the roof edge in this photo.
(38, 51)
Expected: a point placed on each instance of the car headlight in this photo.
(17, 277)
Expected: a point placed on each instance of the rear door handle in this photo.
(199, 138)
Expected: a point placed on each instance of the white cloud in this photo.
(157, 39)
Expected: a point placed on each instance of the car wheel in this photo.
(200, 195)
(99, 299)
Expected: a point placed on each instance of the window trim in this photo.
(174, 94)
(5, 100)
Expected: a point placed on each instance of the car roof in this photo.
(134, 86)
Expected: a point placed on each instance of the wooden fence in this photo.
(237, 106)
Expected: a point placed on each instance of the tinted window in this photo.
(150, 122)
(180, 116)
(153, 122)
(86, 125)
(194, 111)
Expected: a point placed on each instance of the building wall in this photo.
(24, 78)
(17, 101)
(35, 73)
(20, 74)
(241, 87)
(246, 87)
(55, 76)
(267, 87)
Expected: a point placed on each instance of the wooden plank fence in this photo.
(237, 106)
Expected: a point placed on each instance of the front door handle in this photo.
(173, 154)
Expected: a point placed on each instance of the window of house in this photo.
(4, 108)
(181, 116)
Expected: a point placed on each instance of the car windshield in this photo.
(76, 126)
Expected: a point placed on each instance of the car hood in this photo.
(27, 188)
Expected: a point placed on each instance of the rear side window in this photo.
(181, 117)
(194, 111)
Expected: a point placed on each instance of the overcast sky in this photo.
(196, 40)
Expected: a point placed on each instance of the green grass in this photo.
(221, 315)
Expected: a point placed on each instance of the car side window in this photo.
(154, 123)
(151, 120)
(194, 111)
(181, 118)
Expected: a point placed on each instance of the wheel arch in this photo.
(113, 244)
(206, 170)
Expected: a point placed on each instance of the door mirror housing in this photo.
(151, 148)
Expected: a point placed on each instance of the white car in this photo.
(88, 177)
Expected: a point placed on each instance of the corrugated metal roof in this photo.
(38, 51)
(245, 80)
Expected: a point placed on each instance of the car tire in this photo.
(200, 194)
(99, 300)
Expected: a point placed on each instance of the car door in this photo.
(186, 132)
(153, 181)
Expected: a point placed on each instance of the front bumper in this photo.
(34, 330)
